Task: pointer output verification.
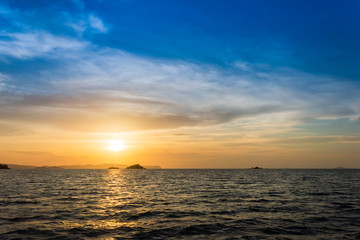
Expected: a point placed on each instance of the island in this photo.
(48, 167)
(135, 166)
(256, 168)
(113, 168)
(4, 166)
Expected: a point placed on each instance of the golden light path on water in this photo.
(117, 195)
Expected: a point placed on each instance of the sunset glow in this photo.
(206, 119)
(116, 145)
(190, 84)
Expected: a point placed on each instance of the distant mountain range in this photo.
(89, 166)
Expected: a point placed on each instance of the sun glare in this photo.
(115, 145)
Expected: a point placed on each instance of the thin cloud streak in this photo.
(319, 139)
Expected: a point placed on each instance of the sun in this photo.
(115, 145)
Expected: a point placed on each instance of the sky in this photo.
(180, 84)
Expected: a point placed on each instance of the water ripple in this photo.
(180, 204)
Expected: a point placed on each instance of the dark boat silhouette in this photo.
(4, 166)
(113, 168)
(135, 166)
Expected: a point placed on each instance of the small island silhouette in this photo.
(113, 167)
(48, 167)
(135, 166)
(4, 166)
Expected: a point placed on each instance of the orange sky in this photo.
(200, 88)
(187, 147)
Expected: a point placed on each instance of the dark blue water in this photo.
(180, 204)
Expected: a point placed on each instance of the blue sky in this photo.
(320, 37)
(280, 72)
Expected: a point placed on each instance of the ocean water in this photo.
(180, 204)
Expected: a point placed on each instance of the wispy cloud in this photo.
(73, 21)
(122, 91)
(319, 139)
(97, 24)
(2, 82)
(12, 130)
(35, 44)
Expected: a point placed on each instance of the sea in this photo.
(180, 204)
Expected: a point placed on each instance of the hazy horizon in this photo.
(180, 84)
(106, 165)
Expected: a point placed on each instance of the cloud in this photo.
(7, 130)
(108, 90)
(71, 21)
(97, 24)
(121, 92)
(35, 44)
(319, 139)
(33, 153)
(79, 101)
(2, 83)
(86, 23)
(41, 154)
